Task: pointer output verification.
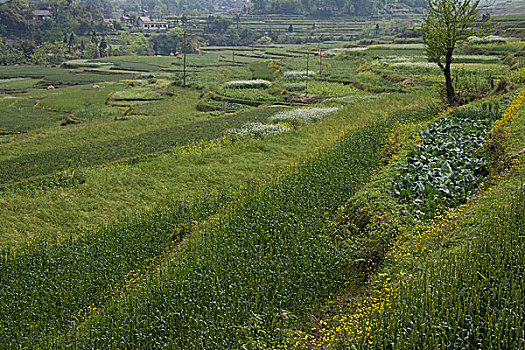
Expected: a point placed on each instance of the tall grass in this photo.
(250, 273)
(47, 286)
(109, 194)
(467, 298)
(55, 160)
(161, 114)
(18, 114)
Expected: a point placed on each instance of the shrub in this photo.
(295, 87)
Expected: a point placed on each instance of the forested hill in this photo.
(317, 8)
(333, 7)
(180, 6)
(17, 18)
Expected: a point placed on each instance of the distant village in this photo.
(142, 19)
(144, 22)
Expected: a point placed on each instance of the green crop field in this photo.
(276, 198)
(20, 114)
(324, 29)
(59, 75)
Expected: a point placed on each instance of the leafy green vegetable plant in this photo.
(446, 167)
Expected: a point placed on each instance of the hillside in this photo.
(265, 196)
(288, 7)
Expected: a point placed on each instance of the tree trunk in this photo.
(451, 96)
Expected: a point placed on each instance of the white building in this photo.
(146, 23)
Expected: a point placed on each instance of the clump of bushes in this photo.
(295, 87)
(257, 130)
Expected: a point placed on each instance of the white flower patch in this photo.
(257, 130)
(462, 68)
(298, 74)
(489, 39)
(416, 64)
(362, 48)
(86, 63)
(475, 59)
(336, 51)
(397, 46)
(389, 59)
(248, 84)
(303, 115)
(295, 86)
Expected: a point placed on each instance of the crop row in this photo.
(55, 160)
(20, 115)
(59, 75)
(469, 297)
(71, 278)
(398, 241)
(249, 94)
(253, 270)
(248, 84)
(49, 285)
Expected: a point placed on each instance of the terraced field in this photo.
(279, 200)
(326, 29)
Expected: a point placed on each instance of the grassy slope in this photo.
(485, 250)
(268, 255)
(369, 221)
(53, 75)
(127, 190)
(19, 114)
(110, 194)
(172, 111)
(481, 242)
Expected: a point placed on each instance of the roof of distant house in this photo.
(41, 13)
(148, 20)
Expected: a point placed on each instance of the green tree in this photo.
(449, 23)
(90, 51)
(166, 43)
(103, 47)
(50, 53)
(10, 55)
(264, 40)
(136, 44)
(53, 35)
(71, 42)
(15, 20)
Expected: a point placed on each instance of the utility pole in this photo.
(184, 60)
(307, 68)
(320, 59)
